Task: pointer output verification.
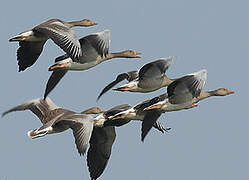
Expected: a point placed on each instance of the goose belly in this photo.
(80, 67)
(150, 85)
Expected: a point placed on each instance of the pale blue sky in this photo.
(208, 143)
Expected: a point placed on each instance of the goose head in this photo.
(222, 92)
(130, 54)
(93, 110)
(84, 23)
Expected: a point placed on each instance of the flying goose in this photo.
(203, 95)
(96, 51)
(56, 119)
(31, 42)
(137, 113)
(149, 78)
(106, 119)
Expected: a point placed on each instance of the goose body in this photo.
(149, 78)
(182, 92)
(31, 42)
(96, 51)
(56, 119)
(148, 118)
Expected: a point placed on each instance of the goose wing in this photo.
(28, 52)
(155, 68)
(82, 126)
(62, 35)
(186, 88)
(150, 120)
(55, 77)
(39, 107)
(95, 45)
(100, 150)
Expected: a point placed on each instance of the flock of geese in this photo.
(99, 131)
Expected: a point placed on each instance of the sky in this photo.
(207, 142)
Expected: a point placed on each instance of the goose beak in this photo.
(101, 111)
(155, 106)
(230, 92)
(121, 116)
(194, 105)
(122, 89)
(56, 67)
(136, 54)
(93, 23)
(18, 38)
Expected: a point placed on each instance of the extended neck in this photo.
(167, 81)
(204, 95)
(74, 23)
(116, 55)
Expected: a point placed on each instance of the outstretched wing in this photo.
(149, 121)
(28, 52)
(82, 126)
(100, 150)
(39, 107)
(155, 68)
(94, 45)
(186, 88)
(62, 35)
(55, 77)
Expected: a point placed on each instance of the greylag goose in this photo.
(96, 51)
(137, 113)
(203, 95)
(179, 94)
(149, 78)
(31, 42)
(105, 119)
(56, 119)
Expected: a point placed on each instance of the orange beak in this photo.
(20, 38)
(137, 53)
(102, 111)
(122, 89)
(93, 23)
(156, 106)
(230, 92)
(56, 67)
(122, 116)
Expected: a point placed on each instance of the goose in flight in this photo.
(159, 105)
(96, 51)
(56, 119)
(106, 119)
(149, 78)
(31, 42)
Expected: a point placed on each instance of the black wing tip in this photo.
(4, 113)
(99, 96)
(143, 137)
